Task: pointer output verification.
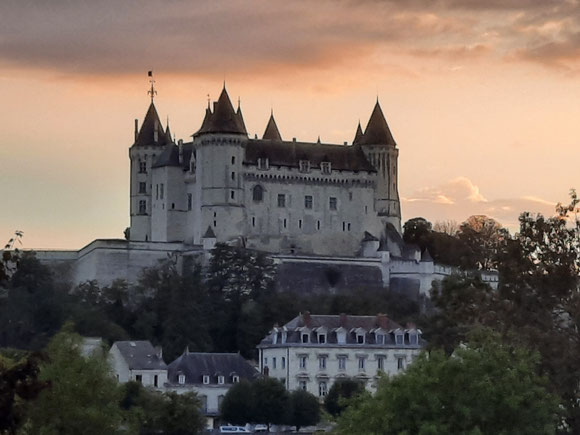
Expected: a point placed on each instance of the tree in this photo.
(10, 257)
(340, 392)
(449, 227)
(181, 415)
(483, 236)
(487, 387)
(304, 409)
(238, 404)
(418, 231)
(271, 401)
(83, 396)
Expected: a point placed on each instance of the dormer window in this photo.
(399, 339)
(221, 380)
(325, 168)
(413, 339)
(380, 338)
(360, 338)
(341, 337)
(206, 379)
(235, 379)
(181, 379)
(322, 338)
(304, 338)
(304, 165)
(263, 163)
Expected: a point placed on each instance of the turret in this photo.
(380, 148)
(272, 132)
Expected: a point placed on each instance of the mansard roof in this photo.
(272, 132)
(151, 132)
(377, 131)
(224, 118)
(140, 355)
(283, 153)
(196, 365)
(169, 157)
(336, 321)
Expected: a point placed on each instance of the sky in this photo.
(482, 97)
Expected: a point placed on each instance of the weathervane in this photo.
(152, 92)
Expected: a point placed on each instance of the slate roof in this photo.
(289, 153)
(169, 157)
(223, 119)
(140, 355)
(194, 365)
(377, 131)
(272, 132)
(358, 135)
(307, 323)
(151, 125)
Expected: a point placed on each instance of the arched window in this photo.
(258, 193)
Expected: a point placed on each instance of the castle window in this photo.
(161, 186)
(233, 176)
(232, 194)
(308, 201)
(317, 225)
(300, 223)
(157, 191)
(281, 200)
(332, 203)
(142, 167)
(285, 223)
(325, 168)
(189, 201)
(142, 187)
(258, 193)
(350, 196)
(142, 206)
(304, 165)
(263, 163)
(348, 226)
(366, 209)
(253, 221)
(343, 226)
(233, 160)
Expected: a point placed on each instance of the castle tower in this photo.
(219, 156)
(150, 141)
(381, 151)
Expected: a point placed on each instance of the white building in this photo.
(138, 361)
(312, 351)
(210, 375)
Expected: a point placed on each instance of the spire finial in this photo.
(239, 102)
(208, 102)
(151, 92)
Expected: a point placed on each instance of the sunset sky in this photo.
(482, 97)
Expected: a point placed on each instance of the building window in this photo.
(142, 187)
(189, 201)
(302, 361)
(325, 167)
(322, 338)
(413, 338)
(233, 176)
(341, 363)
(161, 187)
(308, 202)
(281, 200)
(304, 338)
(322, 363)
(142, 206)
(274, 362)
(258, 193)
(206, 379)
(300, 223)
(322, 388)
(139, 378)
(381, 362)
(220, 400)
(233, 160)
(203, 400)
(253, 221)
(142, 167)
(361, 363)
(348, 226)
(400, 363)
(399, 339)
(360, 339)
(350, 196)
(317, 225)
(302, 385)
(263, 164)
(157, 191)
(283, 362)
(344, 226)
(232, 194)
(181, 379)
(332, 203)
(221, 380)
(380, 338)
(235, 379)
(156, 381)
(366, 209)
(285, 223)
(304, 165)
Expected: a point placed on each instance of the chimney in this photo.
(136, 129)
(180, 146)
(343, 319)
(306, 318)
(382, 321)
(293, 139)
(159, 352)
(411, 326)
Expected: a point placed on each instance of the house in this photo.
(138, 361)
(311, 352)
(210, 375)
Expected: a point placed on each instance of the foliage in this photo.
(418, 231)
(341, 391)
(486, 387)
(83, 396)
(304, 409)
(237, 406)
(483, 237)
(10, 257)
(19, 384)
(181, 415)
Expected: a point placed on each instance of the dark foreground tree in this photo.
(340, 392)
(484, 388)
(304, 409)
(271, 401)
(238, 404)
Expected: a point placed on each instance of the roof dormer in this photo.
(360, 335)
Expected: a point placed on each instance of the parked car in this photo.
(234, 429)
(261, 428)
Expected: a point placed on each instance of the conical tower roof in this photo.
(358, 135)
(272, 132)
(168, 133)
(377, 131)
(224, 119)
(151, 132)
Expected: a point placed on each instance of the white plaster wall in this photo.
(212, 392)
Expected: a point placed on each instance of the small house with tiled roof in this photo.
(311, 352)
(138, 361)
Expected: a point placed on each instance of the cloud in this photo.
(459, 198)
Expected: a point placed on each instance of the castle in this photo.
(272, 195)
(328, 215)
